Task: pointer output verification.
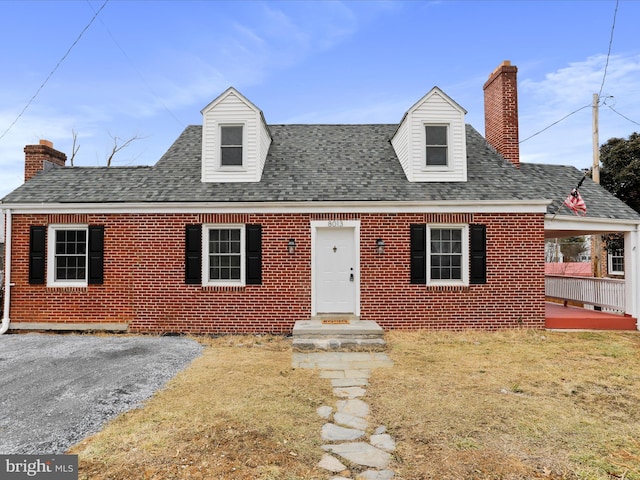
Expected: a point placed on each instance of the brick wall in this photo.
(144, 277)
(512, 297)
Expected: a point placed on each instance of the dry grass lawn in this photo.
(237, 412)
(512, 405)
(472, 405)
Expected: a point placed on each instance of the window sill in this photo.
(448, 287)
(231, 168)
(223, 288)
(68, 288)
(438, 168)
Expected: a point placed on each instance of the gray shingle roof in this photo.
(557, 181)
(315, 163)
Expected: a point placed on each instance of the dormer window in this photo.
(437, 150)
(231, 145)
(235, 140)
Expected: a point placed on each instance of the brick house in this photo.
(247, 227)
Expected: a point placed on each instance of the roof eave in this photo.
(457, 206)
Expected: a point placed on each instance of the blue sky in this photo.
(147, 68)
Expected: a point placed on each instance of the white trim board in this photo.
(480, 206)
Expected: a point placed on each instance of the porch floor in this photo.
(558, 316)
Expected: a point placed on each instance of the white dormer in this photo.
(431, 141)
(235, 139)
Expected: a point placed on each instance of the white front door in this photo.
(336, 270)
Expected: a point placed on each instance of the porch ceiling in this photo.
(564, 226)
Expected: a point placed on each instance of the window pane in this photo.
(435, 274)
(70, 255)
(436, 135)
(231, 135)
(436, 156)
(224, 254)
(81, 242)
(61, 241)
(446, 253)
(231, 156)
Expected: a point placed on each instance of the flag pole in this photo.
(577, 187)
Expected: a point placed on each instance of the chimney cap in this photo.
(46, 143)
(505, 63)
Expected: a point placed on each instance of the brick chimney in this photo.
(41, 157)
(501, 111)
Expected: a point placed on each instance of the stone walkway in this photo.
(347, 434)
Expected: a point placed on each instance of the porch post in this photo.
(632, 273)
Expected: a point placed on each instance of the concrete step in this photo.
(337, 333)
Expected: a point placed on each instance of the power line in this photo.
(613, 26)
(604, 76)
(144, 80)
(555, 123)
(623, 116)
(53, 71)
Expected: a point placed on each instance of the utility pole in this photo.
(595, 176)
(595, 173)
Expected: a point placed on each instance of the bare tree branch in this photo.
(117, 146)
(75, 147)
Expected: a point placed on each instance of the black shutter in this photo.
(254, 254)
(96, 255)
(478, 247)
(193, 255)
(418, 253)
(37, 244)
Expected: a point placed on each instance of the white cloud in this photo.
(561, 92)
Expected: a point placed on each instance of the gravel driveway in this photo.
(57, 389)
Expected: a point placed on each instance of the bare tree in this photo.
(118, 145)
(75, 147)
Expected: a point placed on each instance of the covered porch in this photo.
(594, 303)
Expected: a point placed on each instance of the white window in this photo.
(67, 255)
(436, 145)
(616, 262)
(231, 145)
(224, 255)
(448, 254)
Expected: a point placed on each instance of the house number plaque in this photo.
(335, 223)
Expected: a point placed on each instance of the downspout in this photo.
(7, 273)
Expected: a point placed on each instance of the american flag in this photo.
(575, 203)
